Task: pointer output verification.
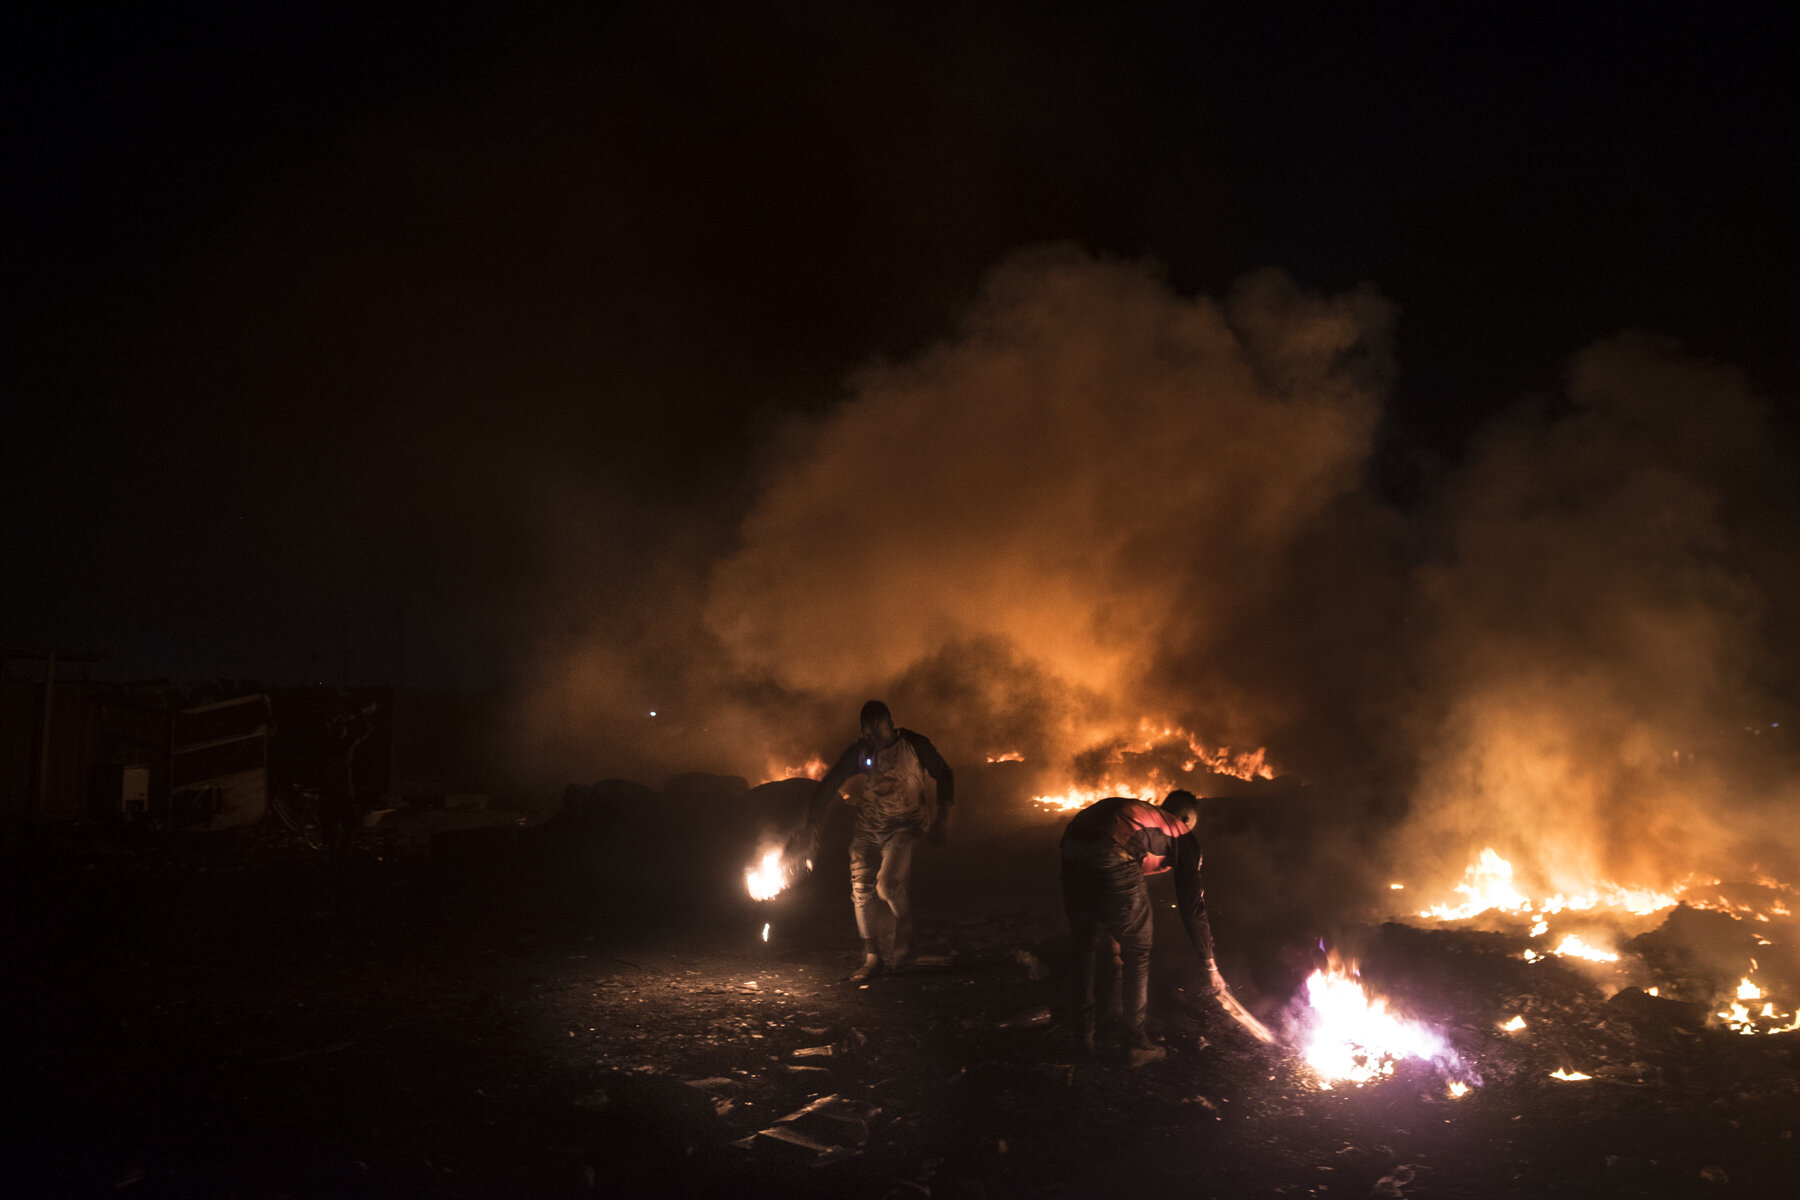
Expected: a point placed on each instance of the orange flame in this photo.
(1487, 887)
(1149, 781)
(1573, 946)
(1742, 1015)
(1080, 797)
(768, 877)
(813, 768)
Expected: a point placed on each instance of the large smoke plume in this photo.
(1100, 501)
(1599, 696)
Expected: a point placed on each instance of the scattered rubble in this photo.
(827, 1130)
(264, 1026)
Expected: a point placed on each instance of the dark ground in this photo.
(237, 1015)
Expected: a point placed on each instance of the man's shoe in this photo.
(871, 967)
(1140, 1051)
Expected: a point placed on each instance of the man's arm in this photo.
(1190, 899)
(848, 763)
(939, 770)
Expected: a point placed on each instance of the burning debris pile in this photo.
(1160, 758)
(1728, 947)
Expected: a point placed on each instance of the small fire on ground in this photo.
(1349, 1036)
(1751, 1011)
(1573, 946)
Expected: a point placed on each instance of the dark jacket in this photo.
(1121, 832)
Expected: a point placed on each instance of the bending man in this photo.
(1108, 850)
(897, 809)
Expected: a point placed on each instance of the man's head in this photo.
(878, 723)
(1184, 806)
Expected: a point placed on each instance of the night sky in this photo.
(328, 329)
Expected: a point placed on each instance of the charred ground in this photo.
(584, 1005)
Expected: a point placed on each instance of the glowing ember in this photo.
(1458, 1089)
(1006, 756)
(1353, 1038)
(1564, 1073)
(768, 877)
(765, 931)
(1514, 1025)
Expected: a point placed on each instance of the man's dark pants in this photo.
(1108, 905)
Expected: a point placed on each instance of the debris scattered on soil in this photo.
(232, 1016)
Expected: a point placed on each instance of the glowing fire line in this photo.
(1149, 781)
(1488, 887)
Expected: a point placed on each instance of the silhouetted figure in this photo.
(899, 806)
(340, 813)
(1108, 851)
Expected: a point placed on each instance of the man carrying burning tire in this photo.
(1108, 850)
(898, 808)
